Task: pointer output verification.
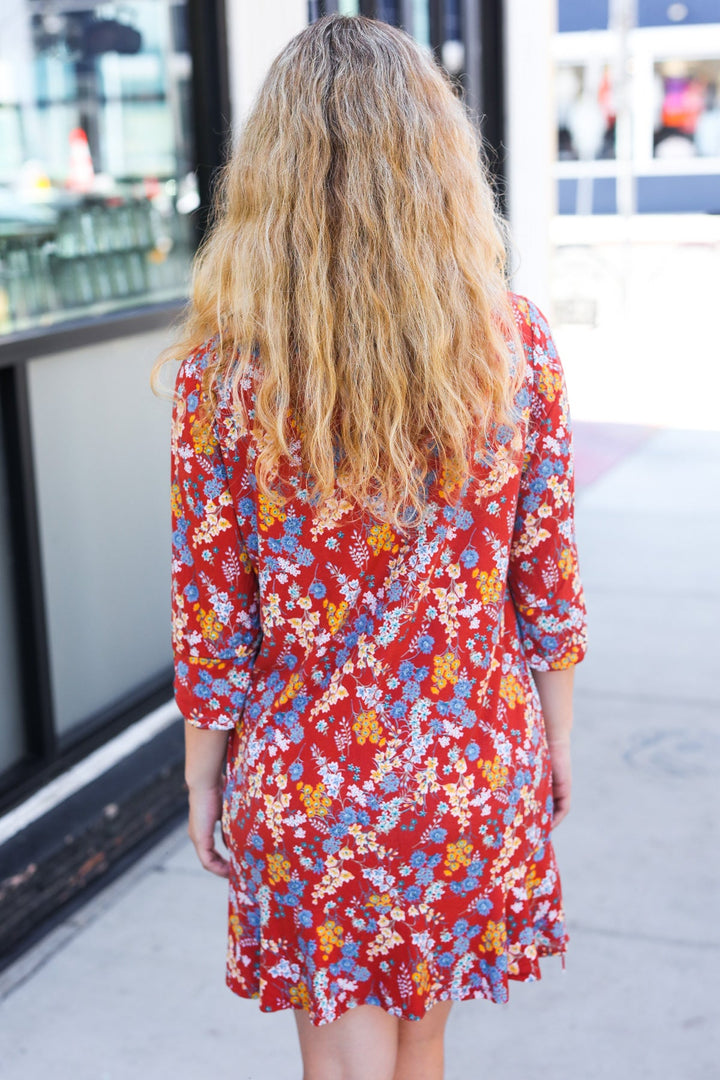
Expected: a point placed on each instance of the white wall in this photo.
(254, 40)
(531, 139)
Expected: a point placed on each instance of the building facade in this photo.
(638, 106)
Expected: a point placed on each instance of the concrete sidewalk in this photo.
(132, 986)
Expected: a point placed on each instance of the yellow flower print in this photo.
(331, 936)
(494, 772)
(382, 538)
(270, 509)
(490, 585)
(335, 614)
(421, 977)
(367, 728)
(566, 563)
(278, 868)
(299, 996)
(203, 437)
(532, 880)
(571, 657)
(512, 691)
(549, 383)
(458, 853)
(176, 500)
(381, 902)
(450, 479)
(316, 799)
(292, 686)
(445, 671)
(494, 938)
(210, 625)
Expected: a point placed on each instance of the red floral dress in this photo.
(388, 803)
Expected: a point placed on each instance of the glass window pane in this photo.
(687, 108)
(100, 440)
(12, 743)
(389, 11)
(97, 185)
(585, 111)
(421, 21)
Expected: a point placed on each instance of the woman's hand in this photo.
(204, 760)
(555, 689)
(561, 779)
(205, 811)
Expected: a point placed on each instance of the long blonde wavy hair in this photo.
(356, 249)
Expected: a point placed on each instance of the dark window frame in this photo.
(46, 756)
(483, 77)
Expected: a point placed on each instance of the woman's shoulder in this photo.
(545, 378)
(530, 319)
(195, 365)
(535, 330)
(192, 365)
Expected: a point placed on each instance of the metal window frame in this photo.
(46, 754)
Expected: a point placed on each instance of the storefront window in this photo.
(96, 181)
(586, 114)
(687, 109)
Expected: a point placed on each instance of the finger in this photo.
(213, 861)
(218, 866)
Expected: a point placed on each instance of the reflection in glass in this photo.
(96, 180)
(687, 110)
(585, 111)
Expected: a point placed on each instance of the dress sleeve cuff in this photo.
(210, 694)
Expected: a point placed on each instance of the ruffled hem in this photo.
(322, 1010)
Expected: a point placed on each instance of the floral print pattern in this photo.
(388, 799)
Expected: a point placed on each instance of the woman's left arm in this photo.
(215, 607)
(204, 760)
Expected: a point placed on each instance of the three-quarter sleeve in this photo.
(215, 610)
(543, 573)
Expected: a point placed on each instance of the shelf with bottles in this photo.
(97, 251)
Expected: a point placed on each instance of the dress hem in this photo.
(466, 993)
